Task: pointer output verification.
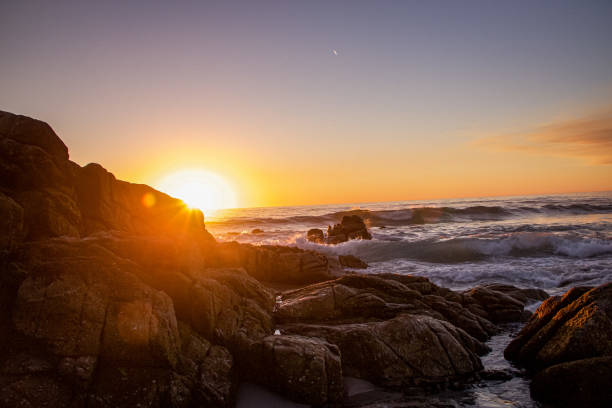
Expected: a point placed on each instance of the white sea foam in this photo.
(466, 249)
(550, 242)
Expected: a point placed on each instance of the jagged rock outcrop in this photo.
(567, 337)
(350, 227)
(60, 198)
(315, 235)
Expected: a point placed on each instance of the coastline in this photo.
(109, 299)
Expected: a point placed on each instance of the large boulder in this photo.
(110, 204)
(35, 172)
(575, 326)
(495, 305)
(351, 227)
(406, 351)
(315, 235)
(568, 341)
(32, 132)
(106, 311)
(304, 369)
(208, 369)
(359, 298)
(582, 383)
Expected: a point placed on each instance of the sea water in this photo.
(551, 242)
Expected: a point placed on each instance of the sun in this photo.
(199, 189)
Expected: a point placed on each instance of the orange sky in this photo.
(324, 102)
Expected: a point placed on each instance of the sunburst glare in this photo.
(199, 189)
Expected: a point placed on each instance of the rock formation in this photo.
(351, 261)
(568, 341)
(113, 294)
(316, 235)
(47, 195)
(351, 227)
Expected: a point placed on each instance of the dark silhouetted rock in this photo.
(315, 235)
(351, 227)
(60, 198)
(351, 261)
(32, 132)
(304, 369)
(11, 223)
(582, 383)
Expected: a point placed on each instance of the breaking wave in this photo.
(521, 244)
(420, 215)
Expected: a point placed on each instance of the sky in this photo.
(315, 102)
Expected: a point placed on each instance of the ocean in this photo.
(551, 242)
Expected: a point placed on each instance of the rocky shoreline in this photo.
(113, 294)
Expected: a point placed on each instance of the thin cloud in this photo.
(589, 139)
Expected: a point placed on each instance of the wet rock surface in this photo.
(395, 331)
(351, 261)
(569, 336)
(114, 295)
(350, 227)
